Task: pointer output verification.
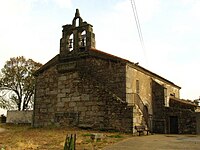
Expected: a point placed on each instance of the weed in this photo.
(87, 134)
(3, 148)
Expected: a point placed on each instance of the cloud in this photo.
(122, 28)
(186, 2)
(145, 12)
(14, 8)
(25, 32)
(189, 79)
(147, 9)
(194, 10)
(181, 29)
(13, 15)
(63, 3)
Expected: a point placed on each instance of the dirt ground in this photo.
(2, 130)
(158, 142)
(25, 138)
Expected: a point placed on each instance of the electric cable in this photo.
(133, 4)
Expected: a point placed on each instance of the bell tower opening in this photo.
(83, 41)
(70, 42)
(77, 22)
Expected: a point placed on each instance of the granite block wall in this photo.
(85, 92)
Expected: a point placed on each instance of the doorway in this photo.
(173, 124)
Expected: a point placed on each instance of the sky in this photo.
(170, 29)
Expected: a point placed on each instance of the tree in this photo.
(17, 83)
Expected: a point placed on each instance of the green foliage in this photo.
(109, 130)
(17, 83)
(3, 148)
(115, 136)
(87, 134)
(89, 141)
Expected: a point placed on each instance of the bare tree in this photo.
(17, 83)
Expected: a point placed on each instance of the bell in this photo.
(83, 40)
(70, 43)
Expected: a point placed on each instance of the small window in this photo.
(173, 94)
(165, 96)
(137, 87)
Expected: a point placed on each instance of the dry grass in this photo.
(23, 137)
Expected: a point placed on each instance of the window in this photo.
(173, 94)
(137, 87)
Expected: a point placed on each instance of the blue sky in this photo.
(170, 28)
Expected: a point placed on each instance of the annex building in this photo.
(85, 87)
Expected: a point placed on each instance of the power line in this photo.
(137, 23)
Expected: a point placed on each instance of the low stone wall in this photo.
(186, 120)
(19, 116)
(198, 122)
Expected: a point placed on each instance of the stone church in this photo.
(85, 87)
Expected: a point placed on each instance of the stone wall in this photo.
(132, 75)
(19, 116)
(198, 122)
(46, 97)
(159, 122)
(152, 93)
(186, 118)
(170, 91)
(108, 73)
(86, 92)
(182, 104)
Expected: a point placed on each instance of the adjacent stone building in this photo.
(85, 87)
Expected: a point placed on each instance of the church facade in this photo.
(85, 87)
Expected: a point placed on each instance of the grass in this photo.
(87, 134)
(24, 137)
(115, 136)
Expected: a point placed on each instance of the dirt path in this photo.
(2, 130)
(158, 142)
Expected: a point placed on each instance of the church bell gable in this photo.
(76, 37)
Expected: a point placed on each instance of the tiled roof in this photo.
(183, 101)
(106, 55)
